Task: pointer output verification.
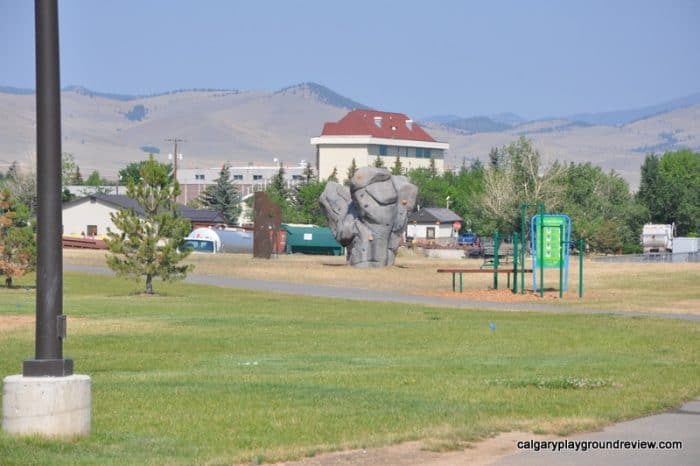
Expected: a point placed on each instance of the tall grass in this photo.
(203, 375)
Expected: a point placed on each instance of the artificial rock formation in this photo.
(369, 217)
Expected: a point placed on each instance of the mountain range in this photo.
(105, 131)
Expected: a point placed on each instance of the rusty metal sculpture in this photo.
(369, 217)
(266, 220)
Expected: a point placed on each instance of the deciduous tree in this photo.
(17, 243)
(670, 189)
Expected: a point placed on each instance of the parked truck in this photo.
(212, 240)
(657, 238)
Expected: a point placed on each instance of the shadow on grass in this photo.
(19, 287)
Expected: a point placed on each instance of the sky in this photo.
(534, 58)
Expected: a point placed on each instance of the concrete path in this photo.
(680, 425)
(382, 296)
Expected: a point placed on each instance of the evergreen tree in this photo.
(494, 158)
(277, 189)
(351, 172)
(17, 244)
(223, 196)
(378, 162)
(309, 174)
(432, 167)
(78, 177)
(397, 168)
(334, 175)
(147, 245)
(278, 184)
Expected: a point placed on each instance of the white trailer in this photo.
(657, 238)
(211, 240)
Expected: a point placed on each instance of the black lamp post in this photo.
(50, 321)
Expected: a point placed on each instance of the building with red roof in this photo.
(365, 135)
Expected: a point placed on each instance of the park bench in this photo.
(455, 272)
(505, 252)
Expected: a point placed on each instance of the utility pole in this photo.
(175, 154)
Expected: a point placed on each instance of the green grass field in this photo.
(204, 375)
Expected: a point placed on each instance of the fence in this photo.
(649, 258)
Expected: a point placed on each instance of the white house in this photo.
(364, 135)
(90, 216)
(433, 225)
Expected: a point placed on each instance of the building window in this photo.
(92, 230)
(257, 177)
(422, 153)
(237, 177)
(383, 150)
(297, 177)
(199, 177)
(430, 233)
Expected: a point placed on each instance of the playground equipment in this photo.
(550, 236)
(550, 244)
(550, 241)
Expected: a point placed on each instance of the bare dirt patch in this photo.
(415, 454)
(640, 287)
(502, 296)
(14, 322)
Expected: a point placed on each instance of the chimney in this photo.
(409, 125)
(378, 121)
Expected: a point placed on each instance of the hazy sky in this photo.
(534, 58)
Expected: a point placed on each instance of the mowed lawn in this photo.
(206, 375)
(639, 287)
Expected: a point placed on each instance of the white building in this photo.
(90, 215)
(433, 225)
(364, 135)
(248, 179)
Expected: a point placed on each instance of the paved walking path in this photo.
(374, 295)
(680, 425)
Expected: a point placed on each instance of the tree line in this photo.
(603, 209)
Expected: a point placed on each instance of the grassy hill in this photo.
(108, 131)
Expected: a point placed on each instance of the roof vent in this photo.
(409, 125)
(378, 121)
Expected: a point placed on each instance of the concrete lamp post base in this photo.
(52, 407)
